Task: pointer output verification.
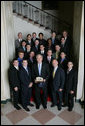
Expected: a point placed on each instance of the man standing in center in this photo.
(40, 69)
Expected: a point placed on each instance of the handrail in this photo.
(64, 22)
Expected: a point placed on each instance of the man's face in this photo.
(62, 55)
(24, 63)
(20, 35)
(32, 54)
(28, 47)
(41, 36)
(16, 63)
(34, 35)
(36, 42)
(23, 43)
(39, 58)
(70, 65)
(57, 48)
(49, 53)
(29, 37)
(42, 47)
(53, 34)
(21, 55)
(55, 63)
(65, 34)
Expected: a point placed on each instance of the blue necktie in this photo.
(39, 68)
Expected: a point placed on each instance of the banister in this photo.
(63, 22)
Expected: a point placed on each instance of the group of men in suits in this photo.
(36, 57)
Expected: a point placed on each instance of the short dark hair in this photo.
(23, 41)
(28, 35)
(40, 33)
(14, 60)
(34, 33)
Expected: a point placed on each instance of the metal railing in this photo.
(40, 16)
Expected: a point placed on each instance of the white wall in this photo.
(7, 46)
(20, 25)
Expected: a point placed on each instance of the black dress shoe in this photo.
(27, 109)
(64, 105)
(52, 105)
(59, 108)
(45, 107)
(30, 104)
(70, 109)
(17, 107)
(37, 107)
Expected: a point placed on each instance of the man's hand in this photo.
(36, 81)
(60, 89)
(16, 88)
(44, 80)
(30, 85)
(72, 92)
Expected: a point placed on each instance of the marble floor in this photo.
(49, 116)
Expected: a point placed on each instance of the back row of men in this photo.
(50, 60)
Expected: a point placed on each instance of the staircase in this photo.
(39, 17)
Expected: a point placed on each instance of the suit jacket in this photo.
(43, 41)
(44, 56)
(27, 42)
(44, 71)
(14, 77)
(71, 81)
(17, 43)
(30, 63)
(33, 41)
(59, 79)
(35, 49)
(50, 64)
(63, 65)
(66, 48)
(25, 78)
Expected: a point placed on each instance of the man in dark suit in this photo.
(63, 64)
(26, 85)
(49, 60)
(36, 47)
(40, 69)
(29, 41)
(31, 59)
(58, 77)
(28, 50)
(65, 46)
(18, 43)
(34, 38)
(43, 52)
(71, 85)
(15, 82)
(41, 40)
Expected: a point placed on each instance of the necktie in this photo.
(53, 73)
(39, 69)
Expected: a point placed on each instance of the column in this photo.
(80, 86)
(7, 46)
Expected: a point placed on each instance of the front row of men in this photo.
(23, 80)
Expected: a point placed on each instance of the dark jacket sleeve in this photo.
(74, 86)
(13, 82)
(48, 72)
(62, 76)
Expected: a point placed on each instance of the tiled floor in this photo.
(49, 116)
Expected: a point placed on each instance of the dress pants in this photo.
(57, 98)
(69, 100)
(38, 95)
(25, 96)
(15, 97)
